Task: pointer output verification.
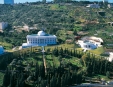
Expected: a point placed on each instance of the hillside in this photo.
(56, 19)
(66, 63)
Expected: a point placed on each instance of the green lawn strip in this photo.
(57, 7)
(73, 60)
(33, 59)
(76, 61)
(7, 46)
(49, 60)
(101, 77)
(70, 46)
(56, 61)
(97, 51)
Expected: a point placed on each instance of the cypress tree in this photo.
(6, 79)
(12, 80)
(58, 82)
(36, 74)
(42, 70)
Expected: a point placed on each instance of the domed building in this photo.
(39, 39)
(1, 50)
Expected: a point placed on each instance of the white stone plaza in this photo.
(39, 39)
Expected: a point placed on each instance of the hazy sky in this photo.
(21, 1)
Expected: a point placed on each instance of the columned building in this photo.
(39, 39)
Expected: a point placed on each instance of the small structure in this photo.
(110, 5)
(3, 25)
(93, 6)
(110, 58)
(1, 50)
(110, 83)
(88, 43)
(39, 39)
(110, 23)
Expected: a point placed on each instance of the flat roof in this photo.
(39, 35)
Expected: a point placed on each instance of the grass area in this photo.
(49, 60)
(70, 46)
(56, 61)
(101, 77)
(57, 7)
(52, 60)
(7, 46)
(1, 78)
(73, 60)
(33, 59)
(97, 51)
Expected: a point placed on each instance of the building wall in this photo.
(93, 6)
(11, 2)
(110, 5)
(41, 40)
(3, 25)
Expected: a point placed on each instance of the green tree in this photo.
(6, 79)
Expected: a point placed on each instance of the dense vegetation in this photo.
(65, 66)
(59, 17)
(25, 68)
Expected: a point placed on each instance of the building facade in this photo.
(93, 6)
(39, 39)
(110, 5)
(89, 43)
(11, 2)
(3, 25)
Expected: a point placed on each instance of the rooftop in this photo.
(41, 33)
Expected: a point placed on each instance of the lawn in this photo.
(7, 46)
(97, 51)
(101, 77)
(70, 46)
(73, 60)
(57, 7)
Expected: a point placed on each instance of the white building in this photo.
(1, 50)
(89, 43)
(39, 39)
(3, 25)
(93, 6)
(110, 5)
(110, 58)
